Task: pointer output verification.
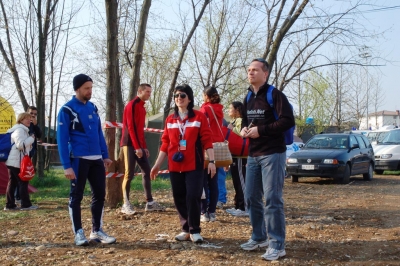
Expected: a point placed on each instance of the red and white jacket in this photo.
(198, 139)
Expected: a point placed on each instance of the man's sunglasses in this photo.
(181, 95)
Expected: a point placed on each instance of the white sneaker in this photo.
(80, 238)
(154, 206)
(230, 210)
(239, 212)
(183, 236)
(273, 254)
(32, 207)
(196, 238)
(102, 237)
(212, 216)
(220, 205)
(204, 217)
(252, 245)
(127, 209)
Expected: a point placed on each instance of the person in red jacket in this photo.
(135, 149)
(213, 111)
(186, 136)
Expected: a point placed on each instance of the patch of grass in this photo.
(55, 187)
(391, 173)
(11, 215)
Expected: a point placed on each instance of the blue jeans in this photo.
(221, 185)
(265, 177)
(209, 204)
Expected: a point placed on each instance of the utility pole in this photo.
(365, 55)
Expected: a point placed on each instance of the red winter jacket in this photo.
(134, 121)
(197, 136)
(217, 136)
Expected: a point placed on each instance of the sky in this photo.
(387, 19)
(377, 19)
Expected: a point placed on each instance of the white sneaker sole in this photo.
(280, 255)
(261, 245)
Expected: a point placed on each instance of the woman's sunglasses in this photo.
(181, 95)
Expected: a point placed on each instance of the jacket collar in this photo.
(262, 89)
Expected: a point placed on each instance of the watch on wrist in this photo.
(211, 161)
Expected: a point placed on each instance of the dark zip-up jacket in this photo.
(271, 138)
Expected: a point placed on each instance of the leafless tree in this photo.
(28, 33)
(219, 47)
(138, 51)
(196, 21)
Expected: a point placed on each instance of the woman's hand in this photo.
(156, 168)
(212, 169)
(230, 126)
(154, 172)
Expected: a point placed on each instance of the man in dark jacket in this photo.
(34, 129)
(265, 171)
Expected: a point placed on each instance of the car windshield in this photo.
(389, 138)
(328, 142)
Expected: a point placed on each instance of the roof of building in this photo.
(385, 112)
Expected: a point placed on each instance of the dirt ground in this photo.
(327, 224)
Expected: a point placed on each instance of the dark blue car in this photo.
(335, 155)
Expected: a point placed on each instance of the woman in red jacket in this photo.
(186, 136)
(213, 111)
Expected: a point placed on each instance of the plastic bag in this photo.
(27, 171)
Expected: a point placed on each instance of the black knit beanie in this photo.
(79, 80)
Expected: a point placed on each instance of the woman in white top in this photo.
(22, 141)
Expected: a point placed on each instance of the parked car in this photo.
(294, 147)
(387, 151)
(376, 136)
(335, 155)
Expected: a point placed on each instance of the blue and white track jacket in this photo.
(79, 132)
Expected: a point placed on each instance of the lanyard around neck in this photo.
(182, 128)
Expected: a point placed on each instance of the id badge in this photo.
(182, 144)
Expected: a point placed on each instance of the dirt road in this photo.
(327, 224)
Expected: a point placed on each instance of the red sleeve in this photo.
(136, 124)
(205, 132)
(165, 138)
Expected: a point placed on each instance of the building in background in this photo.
(381, 119)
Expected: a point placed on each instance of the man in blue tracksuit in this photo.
(83, 154)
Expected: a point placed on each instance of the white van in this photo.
(387, 151)
(376, 136)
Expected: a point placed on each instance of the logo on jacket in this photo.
(253, 112)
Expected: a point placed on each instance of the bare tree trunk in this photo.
(181, 55)
(120, 113)
(10, 59)
(272, 47)
(138, 53)
(43, 30)
(113, 185)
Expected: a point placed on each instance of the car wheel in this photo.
(295, 178)
(346, 175)
(368, 176)
(379, 172)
